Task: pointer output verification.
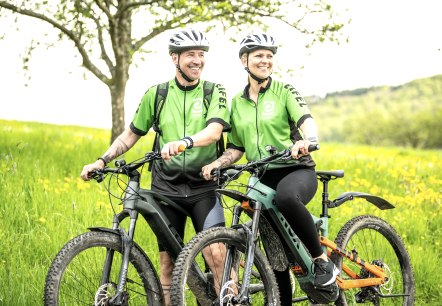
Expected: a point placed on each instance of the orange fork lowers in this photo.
(355, 282)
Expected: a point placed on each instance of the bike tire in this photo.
(75, 274)
(375, 240)
(263, 289)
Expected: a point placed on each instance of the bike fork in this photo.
(251, 237)
(127, 242)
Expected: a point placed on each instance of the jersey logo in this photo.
(268, 109)
(197, 106)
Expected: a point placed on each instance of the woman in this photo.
(269, 112)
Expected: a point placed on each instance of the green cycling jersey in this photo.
(183, 114)
(273, 121)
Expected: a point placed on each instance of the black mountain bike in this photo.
(374, 265)
(105, 266)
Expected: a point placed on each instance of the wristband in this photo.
(186, 141)
(190, 144)
(102, 159)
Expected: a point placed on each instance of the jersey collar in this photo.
(245, 93)
(186, 88)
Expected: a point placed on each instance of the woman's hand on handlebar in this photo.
(229, 157)
(303, 147)
(206, 171)
(86, 173)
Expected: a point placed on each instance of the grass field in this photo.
(44, 203)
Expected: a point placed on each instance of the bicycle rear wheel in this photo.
(263, 289)
(74, 277)
(375, 241)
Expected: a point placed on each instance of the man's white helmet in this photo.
(187, 39)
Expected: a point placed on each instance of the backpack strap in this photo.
(208, 88)
(207, 91)
(160, 98)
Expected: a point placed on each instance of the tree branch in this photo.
(86, 61)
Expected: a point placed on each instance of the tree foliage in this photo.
(103, 30)
(409, 115)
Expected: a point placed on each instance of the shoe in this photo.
(325, 272)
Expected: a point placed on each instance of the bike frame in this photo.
(148, 203)
(259, 199)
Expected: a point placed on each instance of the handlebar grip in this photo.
(213, 172)
(181, 148)
(313, 147)
(97, 175)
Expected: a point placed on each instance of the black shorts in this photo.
(204, 209)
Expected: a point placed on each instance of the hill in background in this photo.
(406, 115)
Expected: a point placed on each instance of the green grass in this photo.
(44, 203)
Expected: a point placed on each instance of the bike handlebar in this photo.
(253, 165)
(123, 168)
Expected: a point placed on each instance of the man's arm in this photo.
(121, 145)
(208, 135)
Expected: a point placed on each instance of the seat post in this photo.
(325, 200)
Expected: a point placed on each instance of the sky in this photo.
(390, 43)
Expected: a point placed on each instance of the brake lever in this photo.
(97, 175)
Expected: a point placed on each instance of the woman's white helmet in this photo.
(187, 39)
(256, 42)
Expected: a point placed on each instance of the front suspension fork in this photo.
(251, 237)
(127, 243)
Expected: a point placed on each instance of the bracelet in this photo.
(190, 144)
(312, 139)
(102, 159)
(186, 141)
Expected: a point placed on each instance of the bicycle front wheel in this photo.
(376, 242)
(75, 276)
(263, 289)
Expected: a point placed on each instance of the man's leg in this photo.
(166, 268)
(215, 256)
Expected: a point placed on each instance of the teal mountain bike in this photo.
(374, 265)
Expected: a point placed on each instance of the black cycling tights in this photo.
(294, 189)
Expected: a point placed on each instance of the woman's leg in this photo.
(293, 192)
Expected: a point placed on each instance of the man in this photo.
(183, 120)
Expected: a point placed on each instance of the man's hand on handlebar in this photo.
(88, 169)
(173, 148)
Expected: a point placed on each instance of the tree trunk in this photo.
(117, 98)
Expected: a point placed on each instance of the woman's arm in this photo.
(309, 130)
(229, 157)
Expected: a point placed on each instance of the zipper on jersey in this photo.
(256, 126)
(184, 130)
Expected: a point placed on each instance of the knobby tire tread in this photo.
(381, 226)
(194, 247)
(88, 240)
